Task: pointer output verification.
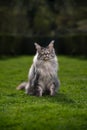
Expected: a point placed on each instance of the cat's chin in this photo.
(46, 59)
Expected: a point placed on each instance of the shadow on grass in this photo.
(61, 98)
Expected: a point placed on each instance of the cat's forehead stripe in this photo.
(43, 48)
(45, 51)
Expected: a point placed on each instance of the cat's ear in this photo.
(51, 45)
(38, 47)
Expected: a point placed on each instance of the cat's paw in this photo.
(39, 92)
(52, 90)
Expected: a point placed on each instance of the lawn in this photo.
(65, 111)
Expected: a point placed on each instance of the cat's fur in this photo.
(43, 72)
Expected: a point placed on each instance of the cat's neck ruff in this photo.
(53, 62)
(35, 58)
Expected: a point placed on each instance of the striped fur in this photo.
(42, 75)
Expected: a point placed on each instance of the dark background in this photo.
(23, 22)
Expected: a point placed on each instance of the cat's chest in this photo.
(46, 68)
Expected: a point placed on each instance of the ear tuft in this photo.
(38, 47)
(51, 44)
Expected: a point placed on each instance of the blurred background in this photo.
(23, 22)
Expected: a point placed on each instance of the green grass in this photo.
(65, 111)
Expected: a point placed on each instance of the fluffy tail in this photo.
(21, 86)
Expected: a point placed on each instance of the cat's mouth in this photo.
(46, 58)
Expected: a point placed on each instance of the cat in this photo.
(43, 72)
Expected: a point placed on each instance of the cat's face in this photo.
(45, 53)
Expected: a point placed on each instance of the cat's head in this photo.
(45, 53)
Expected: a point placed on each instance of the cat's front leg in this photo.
(39, 91)
(52, 90)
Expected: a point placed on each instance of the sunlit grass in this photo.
(65, 111)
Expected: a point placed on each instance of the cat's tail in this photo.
(22, 86)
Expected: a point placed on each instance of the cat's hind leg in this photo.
(27, 88)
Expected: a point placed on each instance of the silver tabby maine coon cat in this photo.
(43, 72)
